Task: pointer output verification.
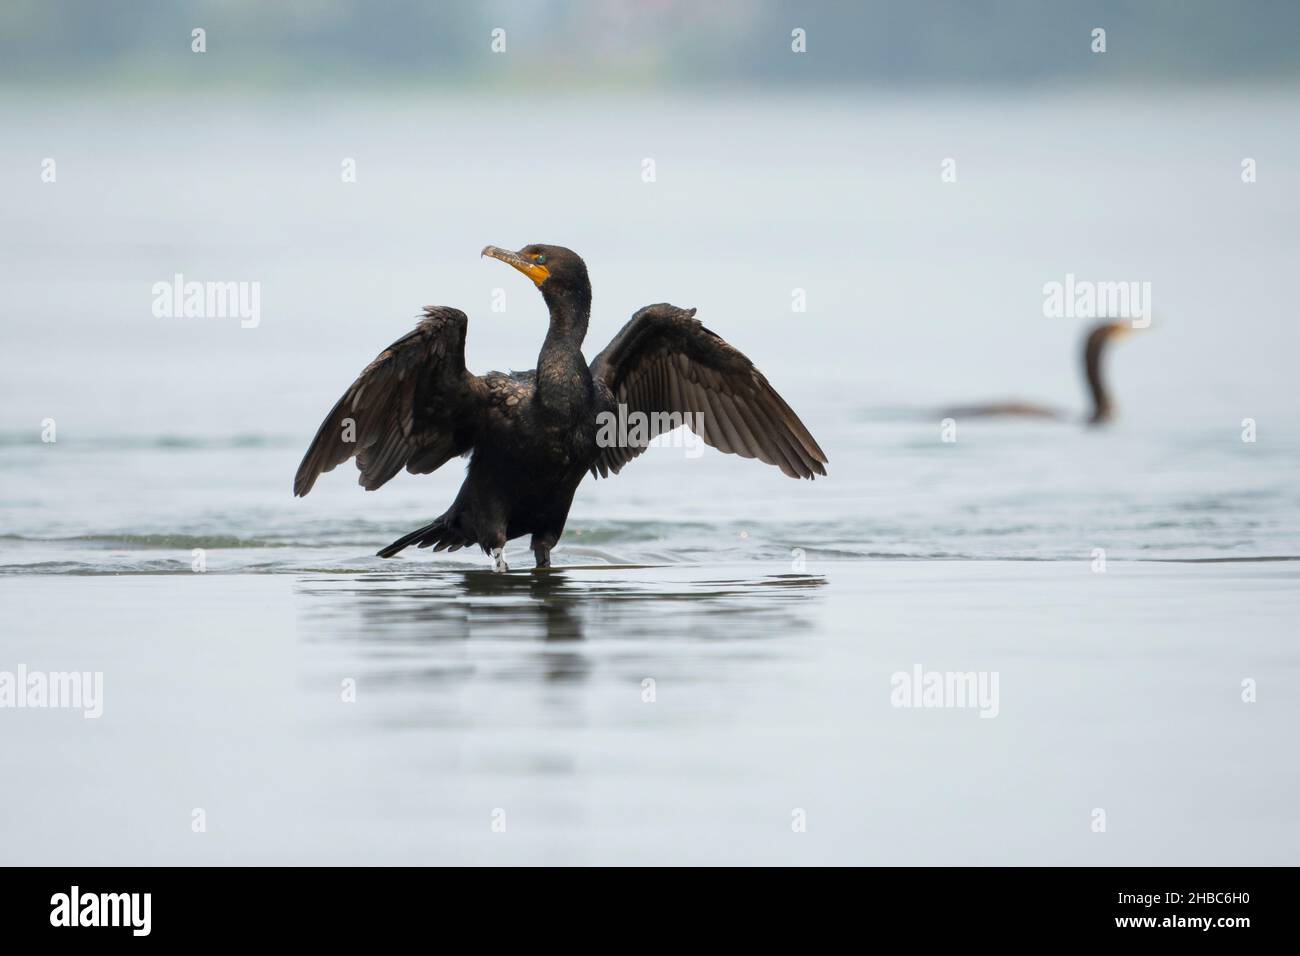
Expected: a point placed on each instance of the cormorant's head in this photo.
(552, 268)
(1109, 332)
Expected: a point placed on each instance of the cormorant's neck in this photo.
(563, 380)
(570, 310)
(1092, 352)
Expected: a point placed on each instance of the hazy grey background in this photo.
(771, 613)
(655, 43)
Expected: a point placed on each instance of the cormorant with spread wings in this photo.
(533, 436)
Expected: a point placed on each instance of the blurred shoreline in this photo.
(549, 47)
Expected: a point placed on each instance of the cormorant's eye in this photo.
(541, 260)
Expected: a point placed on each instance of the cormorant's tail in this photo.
(438, 534)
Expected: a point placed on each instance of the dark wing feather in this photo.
(415, 406)
(665, 361)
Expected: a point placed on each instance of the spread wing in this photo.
(665, 361)
(415, 406)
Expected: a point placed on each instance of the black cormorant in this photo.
(533, 436)
(1103, 409)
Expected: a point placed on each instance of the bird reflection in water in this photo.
(448, 625)
(552, 604)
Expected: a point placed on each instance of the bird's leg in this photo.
(494, 543)
(542, 545)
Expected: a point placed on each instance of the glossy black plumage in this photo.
(533, 436)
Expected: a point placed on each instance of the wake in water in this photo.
(622, 544)
(1002, 492)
